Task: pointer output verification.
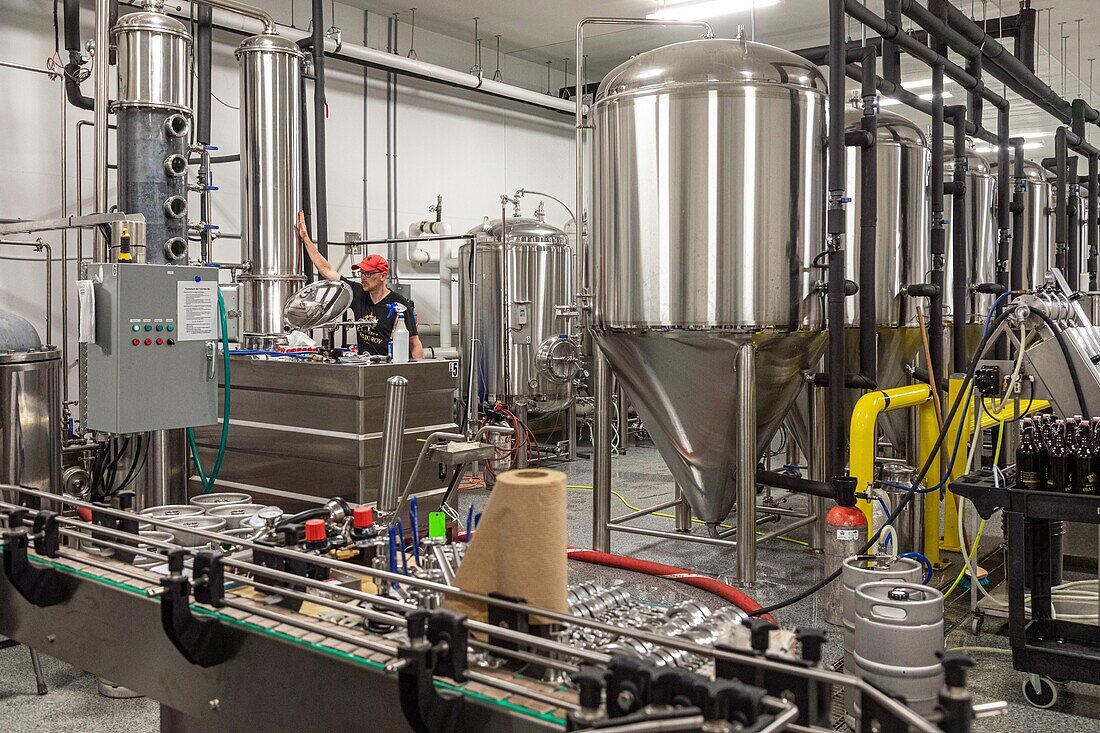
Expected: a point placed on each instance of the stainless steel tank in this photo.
(708, 171)
(1038, 215)
(30, 408)
(154, 120)
(526, 353)
(902, 257)
(981, 235)
(270, 182)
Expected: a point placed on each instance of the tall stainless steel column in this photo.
(746, 465)
(601, 456)
(165, 473)
(270, 182)
(393, 437)
(816, 459)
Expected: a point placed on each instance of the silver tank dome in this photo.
(520, 229)
(709, 62)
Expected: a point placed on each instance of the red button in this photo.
(160, 342)
(137, 342)
(362, 517)
(315, 530)
(148, 342)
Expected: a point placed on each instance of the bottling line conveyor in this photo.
(230, 633)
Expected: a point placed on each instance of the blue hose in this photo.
(923, 561)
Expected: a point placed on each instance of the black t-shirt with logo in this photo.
(374, 335)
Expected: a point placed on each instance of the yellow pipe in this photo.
(861, 438)
(929, 432)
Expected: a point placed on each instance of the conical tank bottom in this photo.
(684, 387)
(897, 348)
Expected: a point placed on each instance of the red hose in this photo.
(656, 569)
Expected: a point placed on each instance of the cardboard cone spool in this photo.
(519, 548)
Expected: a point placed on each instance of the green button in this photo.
(160, 327)
(136, 327)
(437, 525)
(171, 327)
(148, 327)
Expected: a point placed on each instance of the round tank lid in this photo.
(978, 162)
(150, 21)
(892, 128)
(711, 61)
(17, 334)
(521, 229)
(268, 43)
(1032, 171)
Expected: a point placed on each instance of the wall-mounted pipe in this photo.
(100, 74)
(374, 58)
(305, 188)
(320, 107)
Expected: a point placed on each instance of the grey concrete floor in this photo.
(641, 478)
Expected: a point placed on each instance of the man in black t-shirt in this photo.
(372, 302)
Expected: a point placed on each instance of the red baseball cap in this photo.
(372, 263)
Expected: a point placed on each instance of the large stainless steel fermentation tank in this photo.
(902, 258)
(524, 353)
(708, 171)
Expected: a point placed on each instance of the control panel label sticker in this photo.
(197, 310)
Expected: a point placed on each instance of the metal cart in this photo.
(1048, 649)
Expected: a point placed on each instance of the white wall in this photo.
(470, 147)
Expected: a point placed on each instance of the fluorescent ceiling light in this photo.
(995, 148)
(701, 9)
(890, 101)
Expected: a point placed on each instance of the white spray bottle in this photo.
(399, 339)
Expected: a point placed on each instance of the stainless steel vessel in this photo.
(902, 258)
(154, 55)
(30, 407)
(1038, 214)
(270, 182)
(526, 354)
(981, 235)
(708, 171)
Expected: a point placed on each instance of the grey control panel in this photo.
(150, 363)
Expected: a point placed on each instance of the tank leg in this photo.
(683, 512)
(571, 428)
(623, 416)
(746, 466)
(39, 678)
(816, 460)
(601, 456)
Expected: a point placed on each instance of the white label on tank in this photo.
(847, 534)
(197, 310)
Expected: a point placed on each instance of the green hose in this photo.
(208, 482)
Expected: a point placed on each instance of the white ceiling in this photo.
(544, 30)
